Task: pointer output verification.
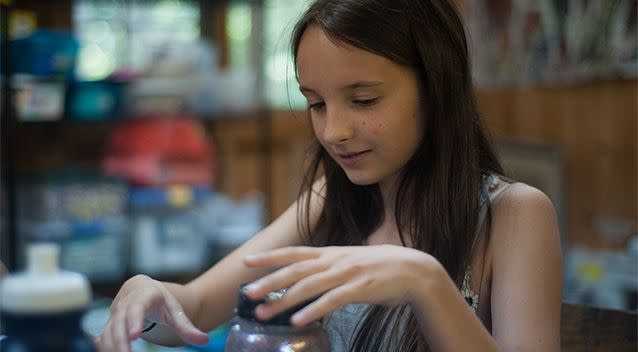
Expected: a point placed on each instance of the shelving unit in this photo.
(11, 127)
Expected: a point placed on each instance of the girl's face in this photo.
(364, 108)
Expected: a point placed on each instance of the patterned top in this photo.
(466, 291)
(489, 193)
(341, 325)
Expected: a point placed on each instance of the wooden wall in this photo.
(594, 125)
(241, 156)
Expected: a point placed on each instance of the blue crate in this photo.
(45, 53)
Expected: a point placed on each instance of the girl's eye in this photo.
(316, 106)
(365, 102)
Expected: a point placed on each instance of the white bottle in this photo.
(42, 308)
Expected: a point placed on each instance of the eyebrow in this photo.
(360, 84)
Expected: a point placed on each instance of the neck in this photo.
(387, 232)
(389, 187)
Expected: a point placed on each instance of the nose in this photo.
(338, 127)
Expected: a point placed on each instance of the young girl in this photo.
(404, 228)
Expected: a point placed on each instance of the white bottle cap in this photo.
(43, 288)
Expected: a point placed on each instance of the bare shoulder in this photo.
(521, 204)
(524, 222)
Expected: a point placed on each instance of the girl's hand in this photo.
(384, 274)
(140, 300)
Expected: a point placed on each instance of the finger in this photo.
(135, 321)
(119, 329)
(106, 338)
(282, 256)
(327, 303)
(100, 344)
(284, 277)
(182, 325)
(306, 289)
(187, 331)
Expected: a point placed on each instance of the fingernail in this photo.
(134, 329)
(297, 318)
(261, 311)
(251, 288)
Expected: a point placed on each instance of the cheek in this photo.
(317, 128)
(377, 128)
(374, 128)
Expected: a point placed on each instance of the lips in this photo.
(352, 159)
(351, 155)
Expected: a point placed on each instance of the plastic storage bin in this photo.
(82, 212)
(45, 53)
(95, 100)
(168, 234)
(97, 249)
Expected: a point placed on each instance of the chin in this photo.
(361, 179)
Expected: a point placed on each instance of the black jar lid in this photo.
(246, 308)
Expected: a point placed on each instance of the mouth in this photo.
(350, 159)
(351, 155)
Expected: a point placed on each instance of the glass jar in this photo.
(248, 334)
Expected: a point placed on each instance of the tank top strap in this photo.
(497, 185)
(493, 186)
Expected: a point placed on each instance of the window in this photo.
(126, 34)
(280, 86)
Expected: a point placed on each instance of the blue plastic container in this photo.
(97, 100)
(45, 53)
(168, 236)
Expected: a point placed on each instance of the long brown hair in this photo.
(438, 198)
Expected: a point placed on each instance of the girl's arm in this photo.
(527, 273)
(526, 284)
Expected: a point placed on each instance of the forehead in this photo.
(321, 61)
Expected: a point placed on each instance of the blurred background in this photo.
(156, 136)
